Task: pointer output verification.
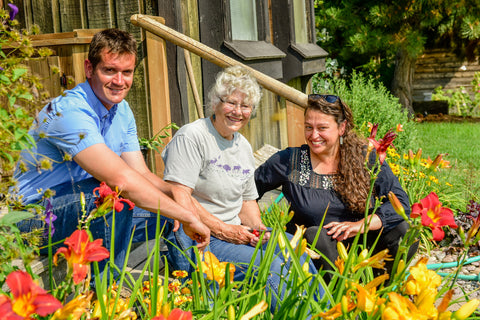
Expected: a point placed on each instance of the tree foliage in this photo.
(372, 36)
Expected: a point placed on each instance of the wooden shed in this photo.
(441, 67)
(276, 38)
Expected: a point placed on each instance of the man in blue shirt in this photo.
(89, 135)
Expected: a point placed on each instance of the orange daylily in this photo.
(337, 311)
(28, 298)
(433, 215)
(216, 270)
(176, 314)
(80, 253)
(108, 200)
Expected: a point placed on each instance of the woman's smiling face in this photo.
(322, 133)
(231, 114)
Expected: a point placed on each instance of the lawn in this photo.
(460, 142)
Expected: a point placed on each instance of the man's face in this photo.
(112, 78)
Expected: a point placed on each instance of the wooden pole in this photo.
(152, 24)
(193, 84)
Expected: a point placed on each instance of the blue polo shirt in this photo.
(67, 125)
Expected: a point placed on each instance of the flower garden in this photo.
(358, 288)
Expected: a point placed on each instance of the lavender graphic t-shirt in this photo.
(220, 171)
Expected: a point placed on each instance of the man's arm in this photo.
(105, 165)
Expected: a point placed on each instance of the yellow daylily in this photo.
(375, 261)
(74, 309)
(421, 278)
(216, 270)
(256, 310)
(293, 242)
(425, 303)
(466, 310)
(367, 299)
(400, 308)
(121, 310)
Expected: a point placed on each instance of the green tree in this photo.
(384, 38)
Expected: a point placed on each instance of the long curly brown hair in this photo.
(352, 181)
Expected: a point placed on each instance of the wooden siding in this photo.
(441, 68)
(60, 17)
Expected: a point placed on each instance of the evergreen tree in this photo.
(379, 37)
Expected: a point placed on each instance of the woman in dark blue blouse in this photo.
(327, 176)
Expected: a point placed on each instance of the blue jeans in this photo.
(240, 255)
(67, 208)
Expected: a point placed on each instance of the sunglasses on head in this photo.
(330, 98)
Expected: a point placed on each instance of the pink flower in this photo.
(381, 145)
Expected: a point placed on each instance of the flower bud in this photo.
(342, 252)
(231, 313)
(397, 206)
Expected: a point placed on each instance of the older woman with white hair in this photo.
(213, 162)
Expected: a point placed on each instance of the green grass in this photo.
(461, 142)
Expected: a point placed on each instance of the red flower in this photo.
(433, 215)
(80, 253)
(381, 145)
(176, 314)
(28, 298)
(108, 199)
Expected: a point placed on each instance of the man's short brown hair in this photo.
(115, 41)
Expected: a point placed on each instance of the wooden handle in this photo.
(154, 25)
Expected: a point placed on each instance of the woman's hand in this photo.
(258, 234)
(237, 234)
(343, 230)
(347, 229)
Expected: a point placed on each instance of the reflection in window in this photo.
(243, 16)
(299, 14)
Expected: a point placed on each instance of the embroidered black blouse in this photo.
(310, 193)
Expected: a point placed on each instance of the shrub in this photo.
(371, 102)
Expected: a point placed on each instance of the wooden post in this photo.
(155, 26)
(159, 92)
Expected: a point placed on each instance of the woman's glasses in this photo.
(330, 98)
(231, 105)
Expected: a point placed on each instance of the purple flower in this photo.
(13, 10)
(49, 216)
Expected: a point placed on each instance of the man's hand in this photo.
(197, 231)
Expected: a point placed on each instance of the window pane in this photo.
(300, 16)
(244, 20)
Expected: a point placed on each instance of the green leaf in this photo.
(11, 100)
(14, 217)
(26, 96)
(17, 73)
(5, 79)
(7, 156)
